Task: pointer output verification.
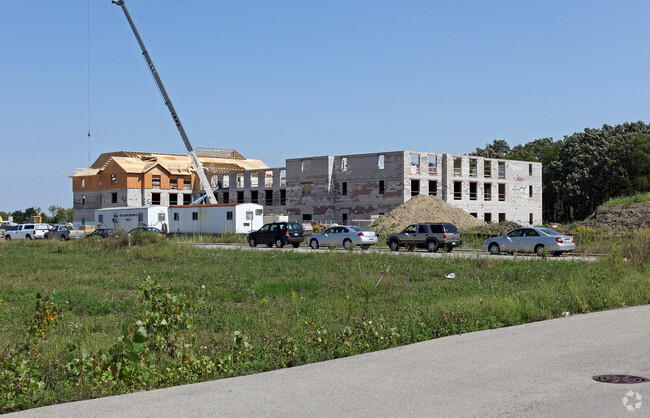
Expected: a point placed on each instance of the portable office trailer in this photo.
(131, 217)
(240, 218)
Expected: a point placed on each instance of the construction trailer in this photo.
(240, 218)
(128, 218)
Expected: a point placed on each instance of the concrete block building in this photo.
(342, 189)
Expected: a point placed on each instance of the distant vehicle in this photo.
(343, 236)
(148, 229)
(278, 233)
(431, 236)
(104, 233)
(6, 227)
(531, 240)
(27, 231)
(64, 233)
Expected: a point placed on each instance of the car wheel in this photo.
(62, 238)
(394, 245)
(252, 242)
(494, 249)
(557, 253)
(46, 236)
(539, 250)
(269, 244)
(279, 243)
(449, 248)
(8, 238)
(365, 246)
(295, 244)
(28, 237)
(313, 244)
(347, 244)
(432, 246)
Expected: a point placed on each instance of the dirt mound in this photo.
(631, 216)
(424, 209)
(494, 230)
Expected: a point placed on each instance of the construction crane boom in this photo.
(205, 184)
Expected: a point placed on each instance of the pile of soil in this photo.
(632, 216)
(424, 209)
(494, 230)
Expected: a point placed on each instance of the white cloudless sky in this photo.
(287, 79)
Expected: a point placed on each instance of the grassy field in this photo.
(88, 318)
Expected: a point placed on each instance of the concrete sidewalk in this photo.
(544, 368)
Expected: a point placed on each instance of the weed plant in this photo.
(113, 318)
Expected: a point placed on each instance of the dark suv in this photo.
(103, 233)
(278, 233)
(431, 236)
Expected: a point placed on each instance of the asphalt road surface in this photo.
(539, 369)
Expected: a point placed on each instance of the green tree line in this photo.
(585, 169)
(57, 214)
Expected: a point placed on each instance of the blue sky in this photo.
(287, 79)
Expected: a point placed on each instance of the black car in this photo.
(103, 233)
(148, 229)
(278, 233)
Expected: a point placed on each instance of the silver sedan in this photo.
(343, 236)
(531, 240)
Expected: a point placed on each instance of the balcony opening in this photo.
(458, 190)
(473, 190)
(268, 197)
(415, 187)
(487, 191)
(433, 188)
(502, 192)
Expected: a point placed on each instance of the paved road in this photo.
(461, 253)
(539, 369)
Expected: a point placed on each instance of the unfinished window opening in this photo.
(502, 192)
(240, 179)
(530, 191)
(487, 169)
(177, 217)
(83, 200)
(473, 190)
(83, 183)
(283, 197)
(487, 217)
(474, 214)
(113, 197)
(173, 199)
(458, 166)
(415, 187)
(306, 189)
(283, 177)
(530, 218)
(344, 164)
(345, 218)
(487, 191)
(240, 197)
(458, 190)
(113, 179)
(502, 217)
(381, 187)
(254, 178)
(306, 166)
(225, 197)
(415, 163)
(433, 188)
(268, 179)
(195, 216)
(187, 198)
(155, 198)
(344, 188)
(186, 184)
(380, 162)
(255, 196)
(306, 217)
(473, 167)
(502, 169)
(173, 184)
(229, 215)
(225, 180)
(268, 197)
(101, 200)
(530, 169)
(433, 164)
(155, 182)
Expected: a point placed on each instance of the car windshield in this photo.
(549, 231)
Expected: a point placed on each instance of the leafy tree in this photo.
(499, 148)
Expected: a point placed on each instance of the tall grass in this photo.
(264, 310)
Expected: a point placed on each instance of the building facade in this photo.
(331, 189)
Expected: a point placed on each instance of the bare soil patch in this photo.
(632, 216)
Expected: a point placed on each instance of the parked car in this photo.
(148, 229)
(27, 231)
(278, 233)
(531, 240)
(431, 236)
(104, 233)
(343, 236)
(5, 228)
(64, 233)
